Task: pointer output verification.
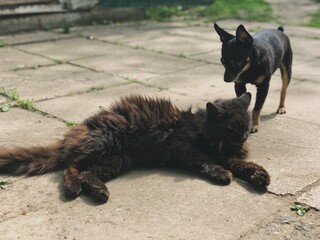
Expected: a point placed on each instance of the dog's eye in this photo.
(248, 59)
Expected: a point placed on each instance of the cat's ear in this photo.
(243, 36)
(212, 110)
(224, 36)
(245, 99)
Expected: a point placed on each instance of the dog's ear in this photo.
(224, 36)
(243, 36)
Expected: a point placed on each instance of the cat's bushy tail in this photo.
(78, 145)
(30, 161)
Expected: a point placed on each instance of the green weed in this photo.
(26, 104)
(58, 61)
(3, 183)
(95, 89)
(300, 209)
(2, 43)
(14, 96)
(66, 28)
(72, 123)
(162, 88)
(181, 55)
(5, 108)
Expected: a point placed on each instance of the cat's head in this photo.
(228, 121)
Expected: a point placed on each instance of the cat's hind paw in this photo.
(260, 178)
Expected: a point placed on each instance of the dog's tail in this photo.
(78, 145)
(281, 29)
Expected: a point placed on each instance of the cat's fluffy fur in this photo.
(139, 131)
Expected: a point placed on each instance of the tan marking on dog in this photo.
(285, 83)
(259, 79)
(245, 68)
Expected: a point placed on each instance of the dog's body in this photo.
(253, 59)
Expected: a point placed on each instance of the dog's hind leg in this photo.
(286, 77)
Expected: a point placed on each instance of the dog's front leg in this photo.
(240, 88)
(262, 92)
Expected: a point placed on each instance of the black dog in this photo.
(253, 59)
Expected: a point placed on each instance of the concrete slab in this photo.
(183, 204)
(32, 37)
(24, 128)
(200, 32)
(203, 82)
(287, 225)
(308, 70)
(299, 46)
(75, 48)
(210, 57)
(290, 157)
(15, 59)
(120, 34)
(311, 198)
(79, 107)
(55, 81)
(160, 204)
(301, 102)
(177, 45)
(136, 63)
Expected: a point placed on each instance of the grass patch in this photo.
(315, 20)
(258, 10)
(163, 13)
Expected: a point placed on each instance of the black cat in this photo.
(139, 132)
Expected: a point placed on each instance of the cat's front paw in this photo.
(94, 187)
(72, 184)
(260, 178)
(223, 177)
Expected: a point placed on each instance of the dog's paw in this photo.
(281, 110)
(254, 129)
(260, 178)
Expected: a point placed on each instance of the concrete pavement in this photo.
(70, 76)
